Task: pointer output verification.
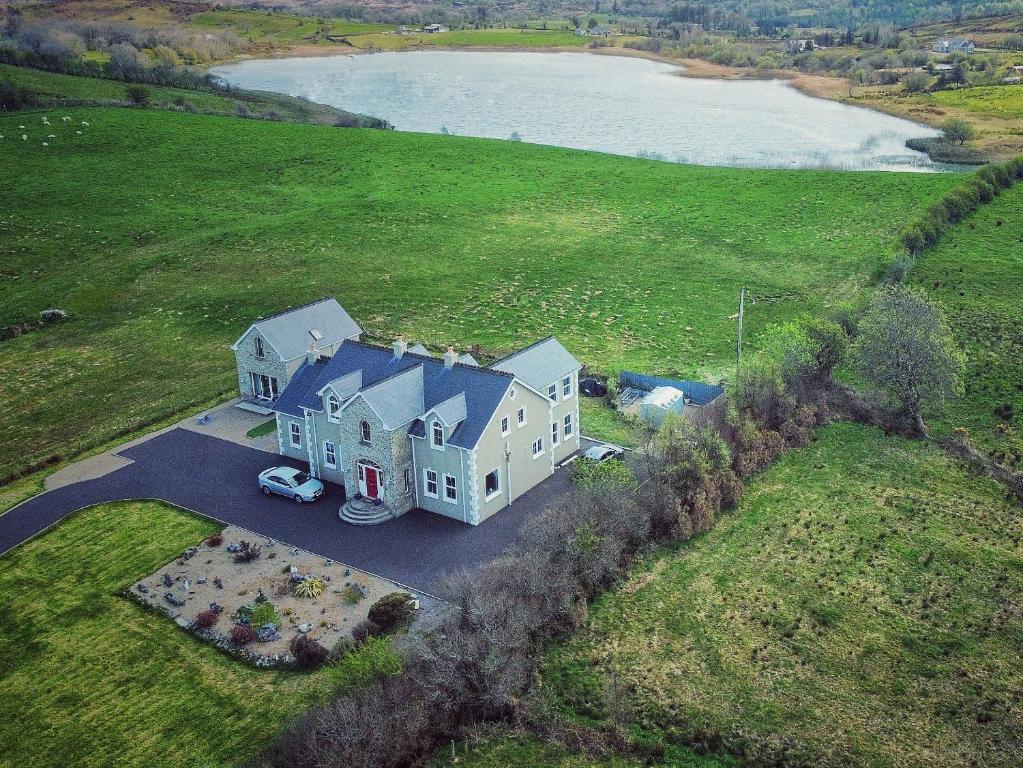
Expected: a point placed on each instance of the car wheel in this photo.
(265, 490)
(298, 499)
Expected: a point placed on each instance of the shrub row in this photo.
(926, 230)
(480, 660)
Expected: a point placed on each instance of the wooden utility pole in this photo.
(738, 337)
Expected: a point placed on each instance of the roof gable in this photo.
(539, 364)
(320, 324)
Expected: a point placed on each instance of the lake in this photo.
(616, 104)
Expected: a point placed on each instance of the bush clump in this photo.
(206, 619)
(365, 630)
(308, 653)
(263, 613)
(247, 552)
(215, 540)
(391, 610)
(242, 634)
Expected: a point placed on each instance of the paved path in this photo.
(217, 479)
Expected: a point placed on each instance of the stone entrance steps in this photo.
(363, 512)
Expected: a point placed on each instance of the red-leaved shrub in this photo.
(206, 619)
(242, 634)
(308, 653)
(215, 540)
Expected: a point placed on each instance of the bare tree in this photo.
(906, 350)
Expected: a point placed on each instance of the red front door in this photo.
(372, 483)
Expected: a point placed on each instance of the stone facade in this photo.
(391, 451)
(269, 364)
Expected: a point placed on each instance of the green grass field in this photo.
(976, 272)
(863, 603)
(89, 678)
(1003, 101)
(165, 234)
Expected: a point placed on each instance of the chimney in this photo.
(399, 346)
(313, 354)
(450, 357)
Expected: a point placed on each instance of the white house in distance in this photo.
(401, 428)
(952, 45)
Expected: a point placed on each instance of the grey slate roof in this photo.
(419, 349)
(290, 332)
(399, 399)
(452, 411)
(540, 364)
(467, 359)
(482, 388)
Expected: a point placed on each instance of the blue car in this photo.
(290, 482)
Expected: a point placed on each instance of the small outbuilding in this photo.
(652, 398)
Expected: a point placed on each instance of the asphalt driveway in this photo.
(217, 479)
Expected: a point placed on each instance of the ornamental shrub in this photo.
(308, 653)
(391, 610)
(264, 613)
(364, 630)
(242, 634)
(206, 619)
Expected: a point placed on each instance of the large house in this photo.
(952, 45)
(400, 428)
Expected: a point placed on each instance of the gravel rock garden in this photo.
(262, 600)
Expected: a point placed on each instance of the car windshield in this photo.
(300, 478)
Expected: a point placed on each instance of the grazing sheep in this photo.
(21, 127)
(51, 136)
(45, 144)
(65, 119)
(78, 132)
(24, 137)
(85, 124)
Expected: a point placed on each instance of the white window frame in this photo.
(434, 426)
(552, 392)
(365, 433)
(521, 417)
(505, 426)
(260, 347)
(496, 471)
(407, 479)
(566, 388)
(453, 487)
(329, 454)
(296, 434)
(569, 425)
(426, 483)
(555, 433)
(271, 384)
(538, 453)
(333, 407)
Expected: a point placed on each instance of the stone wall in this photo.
(247, 362)
(391, 451)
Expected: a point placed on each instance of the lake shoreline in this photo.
(892, 154)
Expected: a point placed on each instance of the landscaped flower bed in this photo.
(252, 596)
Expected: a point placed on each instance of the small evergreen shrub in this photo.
(363, 631)
(264, 613)
(391, 610)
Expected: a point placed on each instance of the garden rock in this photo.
(53, 315)
(167, 580)
(189, 553)
(268, 633)
(234, 547)
(142, 588)
(218, 583)
(216, 607)
(174, 600)
(307, 627)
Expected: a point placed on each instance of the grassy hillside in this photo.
(88, 678)
(55, 90)
(165, 234)
(976, 272)
(861, 607)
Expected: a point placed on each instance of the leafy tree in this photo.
(958, 130)
(905, 349)
(137, 94)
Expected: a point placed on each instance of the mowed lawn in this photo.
(89, 678)
(165, 234)
(976, 272)
(862, 606)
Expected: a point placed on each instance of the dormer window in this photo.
(333, 406)
(437, 431)
(258, 343)
(365, 433)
